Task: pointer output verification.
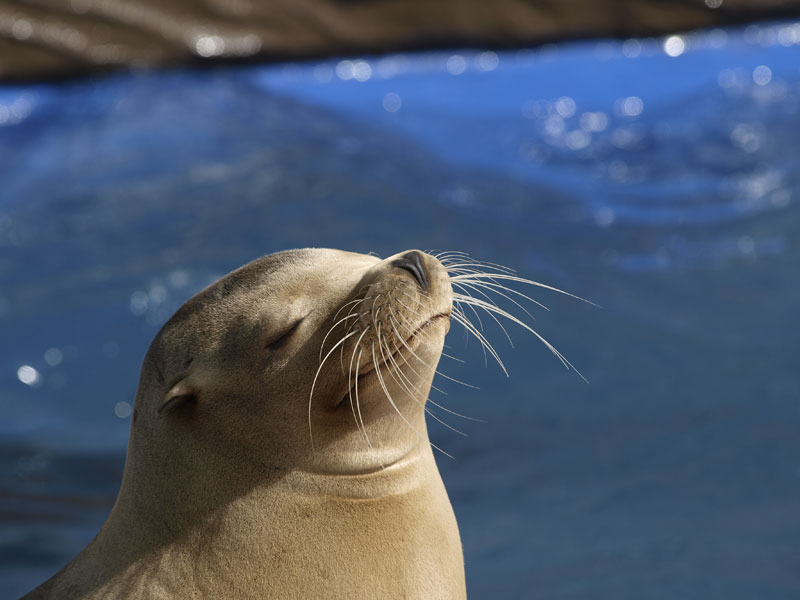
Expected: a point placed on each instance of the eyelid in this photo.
(278, 339)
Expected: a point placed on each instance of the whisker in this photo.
(346, 304)
(401, 336)
(353, 387)
(417, 387)
(461, 319)
(314, 382)
(478, 267)
(460, 297)
(382, 341)
(392, 402)
(322, 345)
(519, 280)
(396, 368)
(495, 289)
(491, 308)
(451, 357)
(418, 358)
(351, 326)
(452, 412)
(477, 316)
(436, 371)
(450, 427)
(407, 307)
(458, 311)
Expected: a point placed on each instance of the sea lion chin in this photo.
(278, 446)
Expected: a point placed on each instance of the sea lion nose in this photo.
(414, 264)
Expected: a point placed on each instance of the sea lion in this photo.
(278, 446)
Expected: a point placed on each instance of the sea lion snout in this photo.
(414, 264)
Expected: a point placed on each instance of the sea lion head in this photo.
(311, 359)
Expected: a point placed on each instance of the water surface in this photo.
(663, 188)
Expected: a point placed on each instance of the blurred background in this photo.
(643, 155)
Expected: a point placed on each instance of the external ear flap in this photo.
(182, 392)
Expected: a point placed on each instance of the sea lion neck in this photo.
(373, 480)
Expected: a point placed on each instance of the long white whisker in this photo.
(491, 308)
(408, 308)
(519, 280)
(416, 388)
(322, 345)
(353, 387)
(496, 288)
(477, 316)
(401, 337)
(345, 305)
(462, 320)
(458, 311)
(436, 417)
(358, 408)
(437, 371)
(396, 368)
(451, 357)
(452, 412)
(478, 266)
(411, 392)
(460, 297)
(392, 402)
(314, 382)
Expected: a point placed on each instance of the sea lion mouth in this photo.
(393, 357)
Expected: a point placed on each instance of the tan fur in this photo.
(223, 495)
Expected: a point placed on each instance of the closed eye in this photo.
(280, 338)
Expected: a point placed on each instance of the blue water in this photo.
(664, 188)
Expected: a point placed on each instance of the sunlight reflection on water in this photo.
(658, 177)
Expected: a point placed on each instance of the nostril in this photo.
(413, 263)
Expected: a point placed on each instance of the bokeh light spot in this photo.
(139, 302)
(28, 375)
(746, 244)
(565, 106)
(488, 61)
(344, 70)
(674, 45)
(762, 75)
(631, 48)
(122, 410)
(53, 356)
(456, 64)
(632, 106)
(361, 70)
(604, 216)
(578, 139)
(22, 29)
(554, 125)
(594, 121)
(209, 45)
(392, 102)
(323, 73)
